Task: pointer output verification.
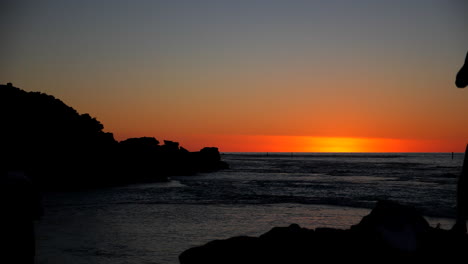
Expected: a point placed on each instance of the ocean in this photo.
(155, 222)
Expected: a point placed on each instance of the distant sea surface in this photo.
(154, 223)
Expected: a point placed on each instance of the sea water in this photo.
(154, 223)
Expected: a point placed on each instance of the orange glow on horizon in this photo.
(338, 144)
(348, 144)
(268, 143)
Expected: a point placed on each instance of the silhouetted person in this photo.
(462, 76)
(20, 206)
(462, 185)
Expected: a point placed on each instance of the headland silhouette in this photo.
(61, 149)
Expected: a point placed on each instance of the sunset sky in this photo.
(264, 76)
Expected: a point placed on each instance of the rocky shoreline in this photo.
(391, 232)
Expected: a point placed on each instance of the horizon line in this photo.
(350, 152)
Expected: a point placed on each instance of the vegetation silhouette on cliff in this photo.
(60, 148)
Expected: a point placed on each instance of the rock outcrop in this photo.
(391, 232)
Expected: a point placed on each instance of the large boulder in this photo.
(395, 226)
(209, 159)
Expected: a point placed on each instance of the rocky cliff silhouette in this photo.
(60, 148)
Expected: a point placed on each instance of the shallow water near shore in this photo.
(154, 223)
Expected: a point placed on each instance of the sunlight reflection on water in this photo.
(159, 233)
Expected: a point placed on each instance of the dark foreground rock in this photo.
(391, 232)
